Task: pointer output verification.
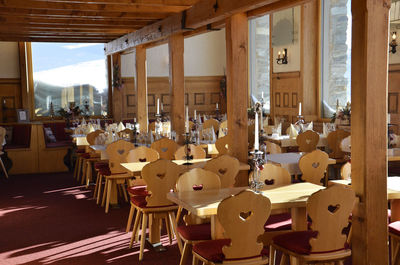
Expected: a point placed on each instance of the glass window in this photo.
(67, 74)
(259, 60)
(336, 55)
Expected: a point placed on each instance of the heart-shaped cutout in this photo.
(315, 164)
(198, 187)
(245, 215)
(333, 208)
(222, 171)
(308, 141)
(142, 159)
(161, 175)
(164, 149)
(269, 181)
(121, 151)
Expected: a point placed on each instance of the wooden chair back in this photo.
(91, 137)
(165, 147)
(334, 140)
(273, 148)
(117, 153)
(243, 217)
(197, 152)
(307, 141)
(224, 125)
(313, 166)
(160, 177)
(3, 133)
(124, 132)
(211, 123)
(345, 171)
(198, 179)
(273, 176)
(142, 154)
(222, 145)
(226, 167)
(330, 206)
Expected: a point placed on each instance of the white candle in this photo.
(279, 55)
(194, 116)
(134, 120)
(217, 106)
(187, 120)
(158, 106)
(261, 121)
(262, 95)
(388, 118)
(256, 143)
(300, 109)
(162, 106)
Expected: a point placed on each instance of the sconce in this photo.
(393, 43)
(282, 59)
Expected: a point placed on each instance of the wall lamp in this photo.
(393, 43)
(282, 59)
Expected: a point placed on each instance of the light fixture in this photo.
(393, 43)
(282, 59)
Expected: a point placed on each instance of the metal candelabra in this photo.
(134, 132)
(300, 122)
(195, 132)
(158, 125)
(188, 157)
(258, 161)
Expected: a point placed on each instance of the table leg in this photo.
(217, 231)
(154, 232)
(395, 208)
(299, 218)
(114, 193)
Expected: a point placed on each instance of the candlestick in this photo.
(216, 106)
(158, 106)
(279, 55)
(388, 118)
(194, 116)
(262, 95)
(134, 120)
(261, 121)
(187, 120)
(300, 109)
(256, 142)
(162, 106)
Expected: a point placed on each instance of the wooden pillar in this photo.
(237, 89)
(141, 86)
(369, 67)
(177, 84)
(25, 103)
(117, 96)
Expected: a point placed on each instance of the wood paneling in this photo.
(10, 99)
(393, 95)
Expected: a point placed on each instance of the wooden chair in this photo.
(125, 132)
(394, 235)
(313, 166)
(152, 126)
(160, 177)
(194, 231)
(197, 152)
(3, 133)
(226, 167)
(345, 171)
(307, 141)
(242, 217)
(334, 140)
(138, 187)
(165, 147)
(211, 123)
(325, 242)
(117, 175)
(273, 176)
(222, 145)
(223, 128)
(273, 148)
(89, 158)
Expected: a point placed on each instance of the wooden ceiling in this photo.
(81, 20)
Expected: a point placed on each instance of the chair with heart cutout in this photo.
(313, 166)
(307, 141)
(161, 177)
(222, 145)
(226, 167)
(165, 147)
(137, 186)
(273, 148)
(116, 174)
(211, 123)
(326, 241)
(195, 230)
(195, 151)
(242, 217)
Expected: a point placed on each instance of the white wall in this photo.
(9, 60)
(204, 55)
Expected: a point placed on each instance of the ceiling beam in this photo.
(54, 39)
(118, 32)
(141, 2)
(283, 4)
(61, 27)
(200, 14)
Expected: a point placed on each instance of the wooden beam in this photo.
(200, 14)
(54, 39)
(277, 6)
(141, 85)
(23, 69)
(5, 29)
(141, 2)
(369, 69)
(237, 89)
(177, 84)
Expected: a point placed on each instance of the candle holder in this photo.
(258, 163)
(195, 132)
(217, 114)
(188, 157)
(134, 133)
(158, 125)
(300, 121)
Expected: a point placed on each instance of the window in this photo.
(336, 55)
(259, 60)
(67, 74)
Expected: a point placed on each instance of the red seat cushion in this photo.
(298, 242)
(86, 155)
(394, 228)
(139, 201)
(138, 190)
(105, 171)
(278, 222)
(212, 250)
(100, 165)
(80, 151)
(195, 232)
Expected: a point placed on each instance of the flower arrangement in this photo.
(116, 78)
(71, 112)
(342, 115)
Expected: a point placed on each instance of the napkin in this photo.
(120, 127)
(277, 130)
(214, 137)
(293, 132)
(307, 127)
(83, 121)
(90, 128)
(110, 138)
(345, 144)
(199, 119)
(205, 117)
(221, 133)
(327, 128)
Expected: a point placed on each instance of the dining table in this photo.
(285, 142)
(205, 203)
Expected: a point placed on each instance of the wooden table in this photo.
(290, 161)
(205, 203)
(80, 139)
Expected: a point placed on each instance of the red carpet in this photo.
(49, 219)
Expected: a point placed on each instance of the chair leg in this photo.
(130, 217)
(167, 226)
(4, 168)
(78, 173)
(174, 226)
(76, 167)
(96, 187)
(178, 214)
(88, 173)
(84, 166)
(99, 188)
(283, 259)
(124, 192)
(185, 253)
(135, 234)
(143, 237)
(109, 186)
(271, 255)
(195, 260)
(103, 201)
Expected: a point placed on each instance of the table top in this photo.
(205, 203)
(291, 158)
(393, 186)
(285, 141)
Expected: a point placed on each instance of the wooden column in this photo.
(117, 96)
(369, 67)
(177, 84)
(141, 86)
(237, 89)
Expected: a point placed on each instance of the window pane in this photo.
(259, 60)
(336, 55)
(65, 73)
